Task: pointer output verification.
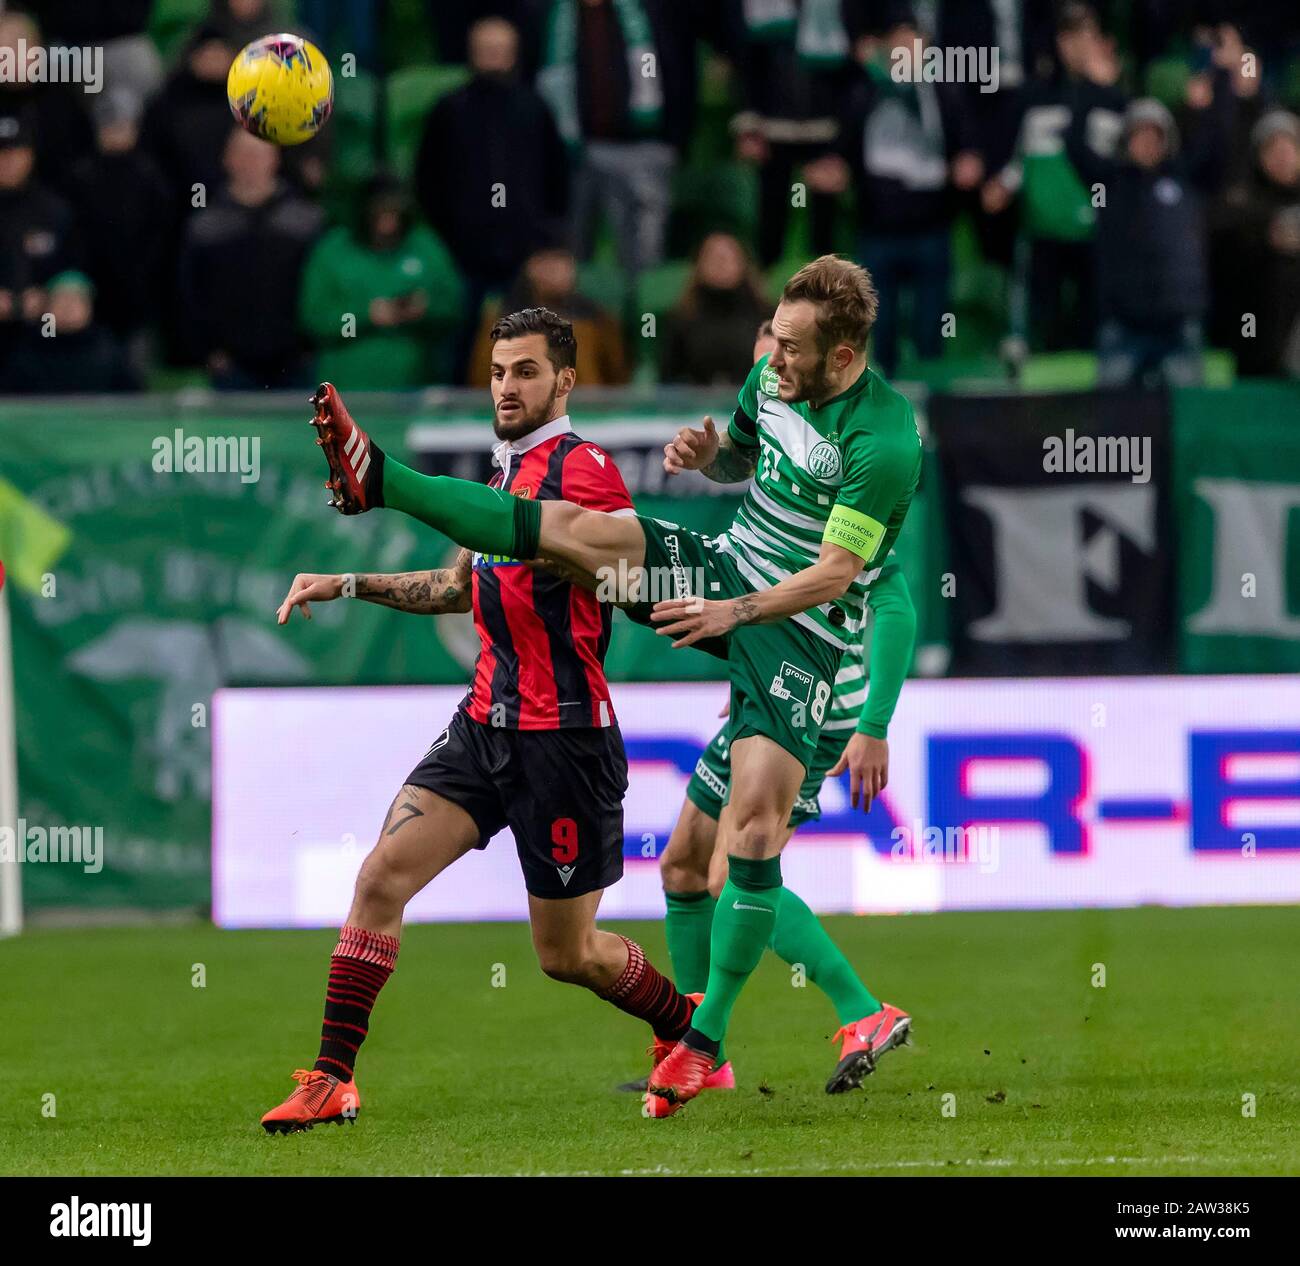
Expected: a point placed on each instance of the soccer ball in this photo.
(280, 88)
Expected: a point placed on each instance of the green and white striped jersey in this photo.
(843, 471)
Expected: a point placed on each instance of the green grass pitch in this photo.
(1048, 1074)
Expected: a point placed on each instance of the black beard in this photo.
(528, 423)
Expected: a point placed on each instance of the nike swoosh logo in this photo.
(736, 905)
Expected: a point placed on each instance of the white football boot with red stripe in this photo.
(864, 1042)
(356, 463)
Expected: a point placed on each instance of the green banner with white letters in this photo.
(1236, 504)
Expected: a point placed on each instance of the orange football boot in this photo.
(319, 1097)
(864, 1042)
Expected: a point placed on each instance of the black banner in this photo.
(1058, 532)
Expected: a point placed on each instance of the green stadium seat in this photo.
(953, 373)
(1220, 367)
(657, 292)
(711, 140)
(658, 289)
(606, 284)
(356, 108)
(1166, 80)
(1059, 371)
(1077, 371)
(1291, 84)
(719, 196)
(408, 35)
(171, 21)
(412, 93)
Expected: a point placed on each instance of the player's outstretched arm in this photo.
(435, 592)
(687, 620)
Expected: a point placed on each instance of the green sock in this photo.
(688, 926)
(799, 937)
(742, 928)
(473, 515)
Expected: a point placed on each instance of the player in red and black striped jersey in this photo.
(543, 640)
(534, 745)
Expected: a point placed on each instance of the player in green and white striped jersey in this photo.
(693, 865)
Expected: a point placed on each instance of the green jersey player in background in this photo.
(835, 456)
(694, 868)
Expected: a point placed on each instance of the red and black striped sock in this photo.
(362, 961)
(641, 991)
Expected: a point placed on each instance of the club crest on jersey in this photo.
(524, 492)
(824, 461)
(794, 684)
(769, 381)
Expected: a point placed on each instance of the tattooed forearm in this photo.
(421, 592)
(732, 465)
(746, 610)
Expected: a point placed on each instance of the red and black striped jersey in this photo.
(542, 640)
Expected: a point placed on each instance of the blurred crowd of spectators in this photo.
(140, 228)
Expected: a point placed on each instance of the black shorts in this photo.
(559, 791)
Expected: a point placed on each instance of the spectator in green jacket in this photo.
(382, 302)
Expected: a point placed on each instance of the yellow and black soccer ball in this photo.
(280, 88)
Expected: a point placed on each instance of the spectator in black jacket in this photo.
(793, 74)
(491, 174)
(240, 272)
(1054, 299)
(1259, 234)
(131, 62)
(902, 144)
(1152, 274)
(710, 332)
(186, 125)
(55, 112)
(619, 76)
(37, 229)
(126, 214)
(242, 21)
(65, 352)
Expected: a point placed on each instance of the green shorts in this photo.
(781, 674)
(709, 784)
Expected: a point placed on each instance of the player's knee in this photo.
(379, 884)
(571, 963)
(681, 871)
(757, 832)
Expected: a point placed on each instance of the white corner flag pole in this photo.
(11, 897)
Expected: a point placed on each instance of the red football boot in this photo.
(319, 1097)
(356, 463)
(676, 1080)
(864, 1042)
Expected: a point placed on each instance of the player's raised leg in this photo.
(422, 835)
(481, 518)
